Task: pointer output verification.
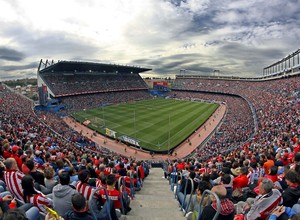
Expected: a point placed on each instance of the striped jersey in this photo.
(13, 180)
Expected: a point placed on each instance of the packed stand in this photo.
(258, 179)
(251, 184)
(84, 83)
(275, 103)
(236, 129)
(77, 103)
(40, 170)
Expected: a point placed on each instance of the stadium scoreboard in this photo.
(161, 86)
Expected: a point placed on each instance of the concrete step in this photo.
(148, 203)
(155, 201)
(155, 213)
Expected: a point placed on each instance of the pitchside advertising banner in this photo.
(110, 133)
(129, 140)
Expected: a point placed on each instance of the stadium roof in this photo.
(77, 66)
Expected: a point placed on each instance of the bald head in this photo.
(220, 190)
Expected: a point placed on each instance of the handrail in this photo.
(173, 178)
(122, 190)
(179, 174)
(185, 209)
(132, 186)
(90, 202)
(201, 202)
(121, 182)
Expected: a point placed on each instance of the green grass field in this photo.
(158, 124)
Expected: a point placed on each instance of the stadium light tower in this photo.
(182, 72)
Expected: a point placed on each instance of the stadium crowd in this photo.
(42, 168)
(253, 170)
(83, 83)
(259, 177)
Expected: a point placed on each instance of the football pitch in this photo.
(157, 124)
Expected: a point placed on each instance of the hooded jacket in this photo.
(62, 198)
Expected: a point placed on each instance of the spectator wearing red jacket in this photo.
(6, 152)
(115, 195)
(241, 180)
(273, 174)
(14, 154)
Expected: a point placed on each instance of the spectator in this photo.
(19, 214)
(38, 157)
(291, 194)
(14, 154)
(81, 211)
(183, 183)
(31, 195)
(62, 194)
(236, 169)
(280, 210)
(263, 204)
(253, 174)
(122, 171)
(241, 180)
(225, 170)
(13, 178)
(272, 175)
(227, 206)
(192, 211)
(115, 194)
(225, 180)
(82, 185)
(37, 175)
(24, 167)
(49, 180)
(73, 175)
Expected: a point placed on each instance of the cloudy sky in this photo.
(237, 37)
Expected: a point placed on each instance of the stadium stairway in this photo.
(155, 201)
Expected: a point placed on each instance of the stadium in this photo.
(104, 116)
(114, 101)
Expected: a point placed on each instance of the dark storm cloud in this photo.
(174, 63)
(241, 52)
(150, 62)
(250, 58)
(185, 56)
(9, 68)
(10, 54)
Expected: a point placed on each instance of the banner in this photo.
(110, 133)
(129, 140)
